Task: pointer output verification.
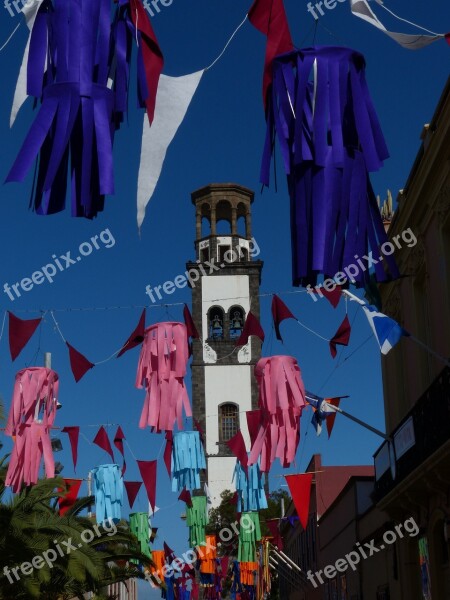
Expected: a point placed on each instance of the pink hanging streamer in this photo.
(31, 416)
(161, 371)
(281, 401)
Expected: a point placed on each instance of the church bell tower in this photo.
(228, 277)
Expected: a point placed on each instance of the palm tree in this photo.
(30, 527)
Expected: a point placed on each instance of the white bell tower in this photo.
(223, 384)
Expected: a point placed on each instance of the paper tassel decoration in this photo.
(82, 107)
(330, 138)
(269, 17)
(132, 488)
(341, 337)
(147, 469)
(20, 332)
(159, 561)
(68, 500)
(108, 492)
(280, 312)
(196, 520)
(139, 527)
(250, 488)
(361, 9)
(208, 557)
(300, 488)
(281, 400)
(102, 440)
(136, 338)
(118, 443)
(237, 446)
(251, 327)
(79, 364)
(31, 416)
(161, 370)
(188, 458)
(249, 534)
(248, 571)
(73, 433)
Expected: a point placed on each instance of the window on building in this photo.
(224, 258)
(228, 421)
(204, 254)
(236, 319)
(216, 323)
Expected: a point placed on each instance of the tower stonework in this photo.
(227, 288)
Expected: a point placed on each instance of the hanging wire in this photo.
(10, 37)
(227, 44)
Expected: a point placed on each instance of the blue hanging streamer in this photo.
(188, 458)
(251, 494)
(108, 492)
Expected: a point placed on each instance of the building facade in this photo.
(226, 278)
(339, 496)
(413, 473)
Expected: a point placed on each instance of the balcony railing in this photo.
(427, 428)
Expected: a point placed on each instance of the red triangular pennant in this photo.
(447, 37)
(280, 312)
(79, 364)
(237, 447)
(118, 443)
(168, 452)
(300, 488)
(253, 422)
(132, 489)
(185, 496)
(333, 297)
(69, 499)
(151, 53)
(20, 333)
(73, 433)
(341, 337)
(147, 469)
(269, 17)
(332, 418)
(272, 525)
(252, 327)
(102, 440)
(136, 338)
(192, 331)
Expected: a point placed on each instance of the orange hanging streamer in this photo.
(208, 555)
(247, 572)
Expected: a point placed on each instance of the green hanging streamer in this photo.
(249, 534)
(140, 527)
(196, 520)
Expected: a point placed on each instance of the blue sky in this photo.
(220, 140)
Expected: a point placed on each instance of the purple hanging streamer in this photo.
(330, 138)
(75, 50)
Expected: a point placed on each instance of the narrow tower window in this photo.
(228, 421)
(216, 317)
(236, 319)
